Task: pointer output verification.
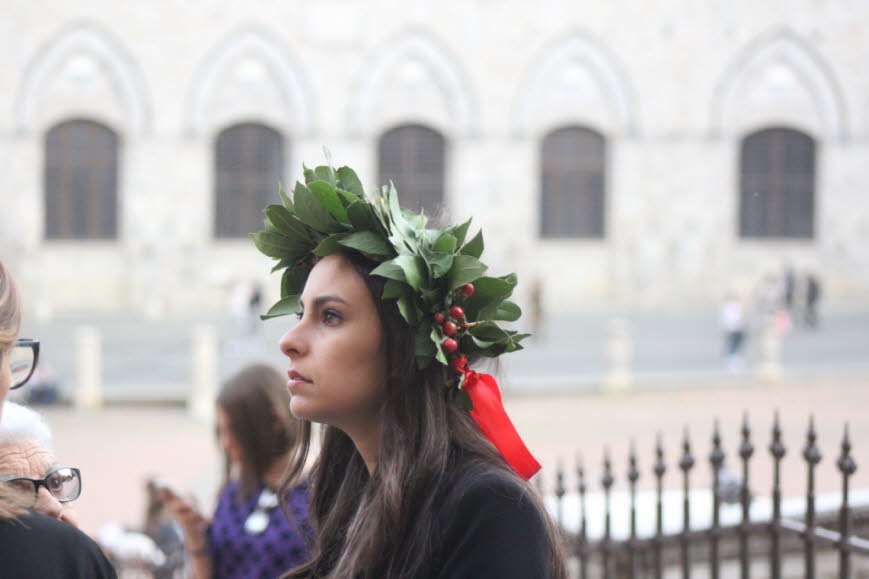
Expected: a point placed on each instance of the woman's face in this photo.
(226, 439)
(337, 363)
(30, 459)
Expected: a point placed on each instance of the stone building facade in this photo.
(673, 87)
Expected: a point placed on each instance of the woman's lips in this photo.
(296, 381)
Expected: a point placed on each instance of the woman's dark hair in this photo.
(257, 405)
(382, 525)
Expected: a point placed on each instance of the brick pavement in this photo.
(118, 446)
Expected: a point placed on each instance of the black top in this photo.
(487, 526)
(490, 528)
(36, 546)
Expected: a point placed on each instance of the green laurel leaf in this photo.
(279, 246)
(406, 268)
(293, 281)
(445, 243)
(435, 338)
(286, 222)
(362, 217)
(367, 242)
(350, 182)
(474, 247)
(424, 349)
(460, 232)
(327, 174)
(392, 289)
(327, 195)
(465, 269)
(285, 198)
(328, 246)
(287, 306)
(440, 264)
(507, 311)
(312, 212)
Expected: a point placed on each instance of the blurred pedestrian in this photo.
(733, 324)
(789, 286)
(163, 529)
(813, 296)
(249, 536)
(34, 545)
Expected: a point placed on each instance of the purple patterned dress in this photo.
(237, 554)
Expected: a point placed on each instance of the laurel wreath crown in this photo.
(435, 276)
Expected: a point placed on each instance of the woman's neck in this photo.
(367, 441)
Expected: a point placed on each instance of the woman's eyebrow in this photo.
(320, 301)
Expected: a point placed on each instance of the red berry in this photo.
(459, 364)
(467, 290)
(439, 318)
(450, 329)
(449, 345)
(457, 313)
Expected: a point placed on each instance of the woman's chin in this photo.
(301, 410)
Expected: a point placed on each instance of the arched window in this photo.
(573, 184)
(81, 181)
(249, 160)
(412, 157)
(777, 184)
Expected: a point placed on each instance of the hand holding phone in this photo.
(184, 508)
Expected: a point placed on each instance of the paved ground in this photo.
(120, 445)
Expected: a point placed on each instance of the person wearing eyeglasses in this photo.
(27, 462)
(32, 544)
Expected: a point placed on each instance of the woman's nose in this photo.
(47, 503)
(292, 343)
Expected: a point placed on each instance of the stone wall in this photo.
(672, 84)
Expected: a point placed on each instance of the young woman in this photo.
(408, 482)
(248, 535)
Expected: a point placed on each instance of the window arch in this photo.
(249, 161)
(413, 157)
(777, 184)
(81, 181)
(573, 183)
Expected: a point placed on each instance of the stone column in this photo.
(619, 349)
(88, 368)
(203, 390)
(770, 368)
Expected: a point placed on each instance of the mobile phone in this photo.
(160, 484)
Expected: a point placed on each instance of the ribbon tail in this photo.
(492, 419)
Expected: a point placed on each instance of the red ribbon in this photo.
(490, 415)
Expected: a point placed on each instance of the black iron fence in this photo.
(758, 530)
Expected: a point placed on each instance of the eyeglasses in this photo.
(63, 482)
(22, 361)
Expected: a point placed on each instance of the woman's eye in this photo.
(299, 315)
(331, 318)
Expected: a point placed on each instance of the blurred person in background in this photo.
(249, 536)
(34, 545)
(163, 529)
(813, 296)
(27, 461)
(733, 324)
